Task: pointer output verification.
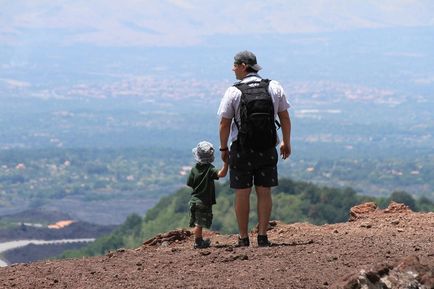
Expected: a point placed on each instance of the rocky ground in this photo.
(391, 248)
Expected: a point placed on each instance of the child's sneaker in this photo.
(202, 244)
(263, 241)
(243, 242)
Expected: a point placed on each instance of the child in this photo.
(201, 180)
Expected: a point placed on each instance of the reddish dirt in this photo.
(392, 248)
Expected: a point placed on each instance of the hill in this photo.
(376, 248)
(293, 201)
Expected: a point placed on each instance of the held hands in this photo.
(285, 150)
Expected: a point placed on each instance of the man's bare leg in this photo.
(242, 209)
(264, 207)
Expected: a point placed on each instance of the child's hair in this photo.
(204, 152)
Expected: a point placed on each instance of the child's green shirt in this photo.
(201, 180)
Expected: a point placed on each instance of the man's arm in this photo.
(223, 171)
(224, 131)
(285, 122)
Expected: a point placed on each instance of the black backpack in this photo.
(257, 129)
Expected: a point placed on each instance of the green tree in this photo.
(424, 204)
(405, 198)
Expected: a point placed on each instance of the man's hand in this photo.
(285, 150)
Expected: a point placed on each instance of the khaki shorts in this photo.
(200, 215)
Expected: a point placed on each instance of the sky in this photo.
(183, 23)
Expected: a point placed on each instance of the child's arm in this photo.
(222, 173)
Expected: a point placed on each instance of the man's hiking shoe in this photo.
(202, 244)
(263, 241)
(243, 242)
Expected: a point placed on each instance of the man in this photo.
(250, 167)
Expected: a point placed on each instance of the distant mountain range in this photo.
(136, 23)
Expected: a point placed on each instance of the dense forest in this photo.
(293, 201)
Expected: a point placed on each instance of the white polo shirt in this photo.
(230, 103)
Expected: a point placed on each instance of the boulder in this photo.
(362, 211)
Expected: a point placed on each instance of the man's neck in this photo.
(250, 74)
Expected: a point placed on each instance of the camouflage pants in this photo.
(200, 215)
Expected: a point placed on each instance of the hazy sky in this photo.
(191, 22)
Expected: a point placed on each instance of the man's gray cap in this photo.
(247, 58)
(204, 152)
